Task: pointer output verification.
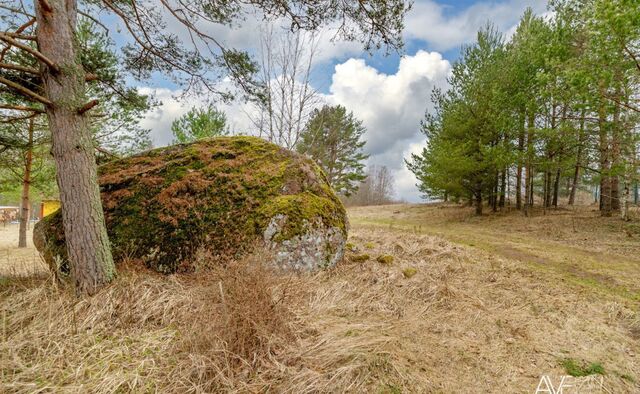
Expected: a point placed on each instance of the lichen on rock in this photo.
(225, 194)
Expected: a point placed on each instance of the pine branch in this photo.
(16, 11)
(19, 36)
(17, 67)
(25, 92)
(18, 31)
(106, 152)
(87, 106)
(4, 37)
(19, 118)
(20, 108)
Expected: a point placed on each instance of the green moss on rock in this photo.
(220, 194)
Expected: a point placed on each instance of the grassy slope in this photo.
(495, 303)
(578, 245)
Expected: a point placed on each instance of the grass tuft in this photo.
(359, 258)
(578, 369)
(385, 259)
(409, 272)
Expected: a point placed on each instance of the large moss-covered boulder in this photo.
(224, 196)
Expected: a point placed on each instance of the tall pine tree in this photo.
(333, 139)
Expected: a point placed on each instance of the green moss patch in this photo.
(385, 259)
(409, 272)
(359, 258)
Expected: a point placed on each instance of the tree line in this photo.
(535, 117)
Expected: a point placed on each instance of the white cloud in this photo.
(443, 30)
(391, 107)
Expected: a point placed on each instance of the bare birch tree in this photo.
(286, 59)
(376, 189)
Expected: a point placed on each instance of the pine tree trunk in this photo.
(556, 187)
(478, 203)
(624, 212)
(615, 156)
(528, 166)
(519, 168)
(87, 242)
(503, 188)
(605, 181)
(494, 199)
(576, 171)
(26, 183)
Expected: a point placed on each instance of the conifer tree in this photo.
(333, 139)
(199, 123)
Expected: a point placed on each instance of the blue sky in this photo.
(388, 93)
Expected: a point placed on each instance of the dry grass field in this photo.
(462, 305)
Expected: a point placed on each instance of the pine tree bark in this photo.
(503, 188)
(529, 164)
(624, 212)
(519, 168)
(576, 171)
(494, 193)
(615, 156)
(26, 183)
(478, 203)
(605, 165)
(87, 242)
(556, 187)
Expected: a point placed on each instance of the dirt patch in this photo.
(526, 257)
(18, 262)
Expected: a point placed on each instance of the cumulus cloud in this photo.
(444, 28)
(391, 107)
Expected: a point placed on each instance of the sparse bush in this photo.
(240, 311)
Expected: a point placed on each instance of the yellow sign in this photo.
(48, 207)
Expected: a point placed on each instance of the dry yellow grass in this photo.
(471, 319)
